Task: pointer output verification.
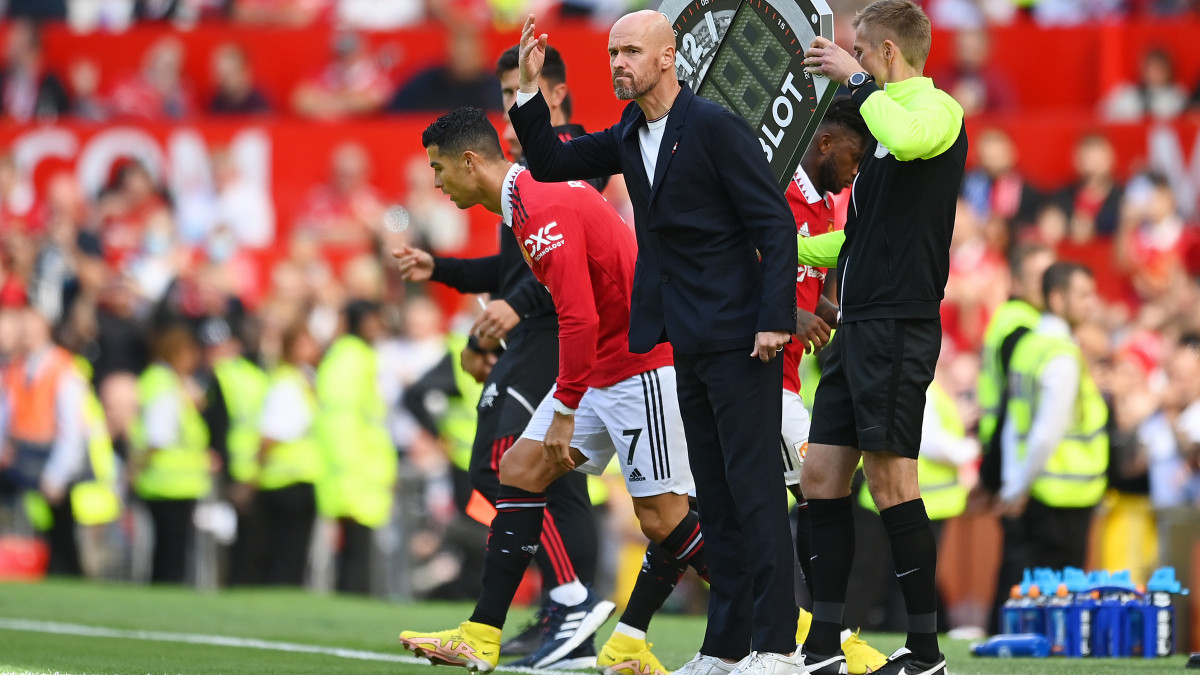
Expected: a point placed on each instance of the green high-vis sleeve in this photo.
(911, 118)
(821, 250)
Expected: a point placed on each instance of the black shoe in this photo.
(816, 664)
(529, 639)
(567, 628)
(1193, 660)
(904, 662)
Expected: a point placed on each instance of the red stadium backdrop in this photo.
(1058, 76)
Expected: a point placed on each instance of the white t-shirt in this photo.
(286, 415)
(650, 138)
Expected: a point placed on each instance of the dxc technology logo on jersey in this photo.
(544, 241)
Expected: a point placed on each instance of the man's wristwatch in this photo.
(858, 79)
(561, 408)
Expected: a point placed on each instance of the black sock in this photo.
(686, 545)
(660, 572)
(914, 553)
(832, 541)
(511, 544)
(661, 568)
(804, 544)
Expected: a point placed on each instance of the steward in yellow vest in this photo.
(1054, 438)
(1009, 322)
(361, 462)
(241, 386)
(289, 462)
(95, 499)
(171, 463)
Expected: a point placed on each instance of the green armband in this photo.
(820, 251)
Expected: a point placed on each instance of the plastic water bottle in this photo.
(1080, 629)
(1010, 613)
(1058, 609)
(1016, 645)
(1033, 616)
(1109, 625)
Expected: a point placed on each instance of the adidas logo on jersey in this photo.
(531, 549)
(636, 476)
(488, 397)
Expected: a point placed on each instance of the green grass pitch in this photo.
(315, 622)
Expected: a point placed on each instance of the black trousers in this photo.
(285, 518)
(354, 557)
(523, 376)
(173, 530)
(247, 554)
(1043, 536)
(64, 550)
(731, 416)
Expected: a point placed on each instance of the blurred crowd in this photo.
(141, 313)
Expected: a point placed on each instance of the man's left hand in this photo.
(557, 445)
(827, 58)
(768, 344)
(497, 319)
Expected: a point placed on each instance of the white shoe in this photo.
(709, 665)
(771, 663)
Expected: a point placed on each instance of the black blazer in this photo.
(714, 206)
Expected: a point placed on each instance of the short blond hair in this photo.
(900, 21)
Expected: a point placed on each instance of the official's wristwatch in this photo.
(858, 79)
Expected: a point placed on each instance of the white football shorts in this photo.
(637, 420)
(794, 436)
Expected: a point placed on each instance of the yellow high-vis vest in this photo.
(96, 500)
(1008, 317)
(1074, 476)
(351, 429)
(182, 470)
(243, 385)
(298, 460)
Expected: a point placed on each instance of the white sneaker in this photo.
(709, 665)
(771, 663)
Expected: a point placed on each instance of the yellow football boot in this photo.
(474, 646)
(860, 656)
(624, 655)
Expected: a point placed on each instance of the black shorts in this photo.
(517, 384)
(873, 385)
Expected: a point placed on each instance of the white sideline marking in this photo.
(56, 628)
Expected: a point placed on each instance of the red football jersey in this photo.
(814, 215)
(582, 251)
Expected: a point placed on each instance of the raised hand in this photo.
(824, 57)
(533, 55)
(415, 264)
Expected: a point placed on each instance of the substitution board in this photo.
(748, 55)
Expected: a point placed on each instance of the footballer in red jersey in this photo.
(606, 402)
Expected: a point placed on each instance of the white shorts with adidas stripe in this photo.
(794, 436)
(637, 420)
